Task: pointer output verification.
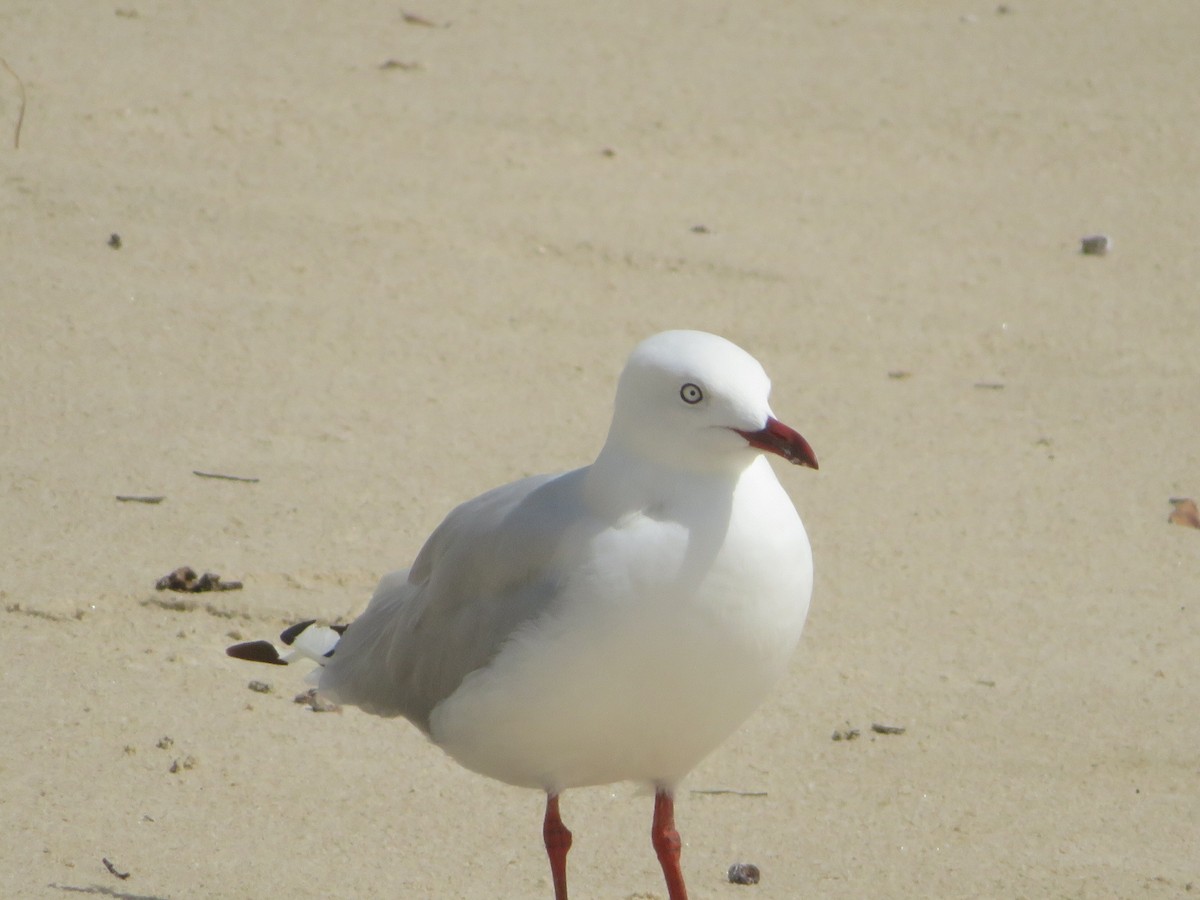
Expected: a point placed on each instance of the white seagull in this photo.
(613, 623)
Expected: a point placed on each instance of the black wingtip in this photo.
(289, 634)
(256, 651)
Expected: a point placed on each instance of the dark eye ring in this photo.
(691, 393)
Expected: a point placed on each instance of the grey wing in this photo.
(490, 567)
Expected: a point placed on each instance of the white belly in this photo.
(667, 638)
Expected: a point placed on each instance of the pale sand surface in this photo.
(381, 291)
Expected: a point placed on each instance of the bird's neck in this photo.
(620, 483)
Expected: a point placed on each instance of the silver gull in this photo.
(613, 623)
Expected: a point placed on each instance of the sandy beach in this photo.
(379, 258)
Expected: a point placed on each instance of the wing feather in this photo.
(490, 567)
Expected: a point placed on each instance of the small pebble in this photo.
(260, 687)
(744, 873)
(1095, 245)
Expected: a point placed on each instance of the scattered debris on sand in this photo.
(316, 702)
(186, 581)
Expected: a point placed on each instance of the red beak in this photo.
(777, 438)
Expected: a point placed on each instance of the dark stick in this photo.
(719, 791)
(224, 477)
(21, 108)
(113, 869)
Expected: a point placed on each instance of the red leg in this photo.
(667, 844)
(558, 842)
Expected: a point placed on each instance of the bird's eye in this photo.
(691, 393)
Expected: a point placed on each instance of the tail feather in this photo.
(257, 651)
(307, 640)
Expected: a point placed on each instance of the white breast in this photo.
(671, 627)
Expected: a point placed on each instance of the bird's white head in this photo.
(695, 400)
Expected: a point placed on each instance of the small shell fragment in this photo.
(1184, 512)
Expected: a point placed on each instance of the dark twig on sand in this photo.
(21, 108)
(715, 792)
(131, 498)
(113, 869)
(225, 477)
(414, 19)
